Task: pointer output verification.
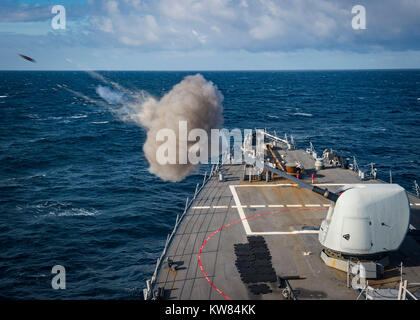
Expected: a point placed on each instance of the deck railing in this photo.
(148, 291)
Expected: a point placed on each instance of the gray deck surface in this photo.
(286, 209)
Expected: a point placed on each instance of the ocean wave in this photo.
(32, 116)
(37, 276)
(303, 114)
(51, 208)
(49, 204)
(271, 116)
(100, 122)
(39, 175)
(74, 212)
(78, 116)
(37, 140)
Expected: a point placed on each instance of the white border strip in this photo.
(245, 223)
(240, 210)
(269, 233)
(295, 185)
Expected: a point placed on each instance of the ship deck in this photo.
(227, 217)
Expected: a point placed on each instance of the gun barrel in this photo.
(323, 192)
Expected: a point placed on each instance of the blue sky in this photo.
(210, 35)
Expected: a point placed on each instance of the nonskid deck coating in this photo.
(278, 211)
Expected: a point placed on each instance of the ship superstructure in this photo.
(258, 232)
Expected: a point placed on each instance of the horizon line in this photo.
(210, 70)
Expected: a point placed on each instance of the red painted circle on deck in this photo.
(228, 225)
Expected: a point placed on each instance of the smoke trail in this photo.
(109, 95)
(81, 95)
(99, 77)
(123, 105)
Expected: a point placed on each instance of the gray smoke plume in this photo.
(194, 100)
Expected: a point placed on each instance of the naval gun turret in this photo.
(364, 222)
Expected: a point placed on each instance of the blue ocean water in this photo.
(74, 185)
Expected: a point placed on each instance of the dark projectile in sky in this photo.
(27, 58)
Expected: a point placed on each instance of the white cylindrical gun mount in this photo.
(367, 219)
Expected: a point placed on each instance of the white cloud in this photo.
(215, 29)
(129, 41)
(267, 28)
(112, 7)
(254, 25)
(243, 4)
(201, 38)
(130, 28)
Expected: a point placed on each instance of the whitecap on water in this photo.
(100, 122)
(39, 175)
(32, 116)
(51, 208)
(74, 212)
(78, 116)
(303, 114)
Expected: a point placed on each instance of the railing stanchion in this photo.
(204, 179)
(196, 190)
